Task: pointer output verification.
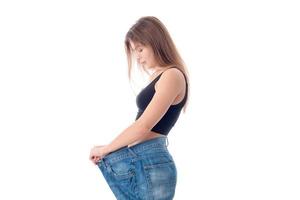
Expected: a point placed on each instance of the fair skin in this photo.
(169, 90)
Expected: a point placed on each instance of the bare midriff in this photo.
(147, 136)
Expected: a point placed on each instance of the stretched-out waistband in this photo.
(132, 151)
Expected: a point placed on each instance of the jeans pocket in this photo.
(162, 178)
(122, 169)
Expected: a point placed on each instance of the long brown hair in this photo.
(151, 31)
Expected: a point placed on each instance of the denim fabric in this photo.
(145, 171)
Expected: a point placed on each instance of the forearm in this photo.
(131, 134)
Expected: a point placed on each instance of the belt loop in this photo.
(131, 151)
(167, 141)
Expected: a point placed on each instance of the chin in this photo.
(149, 67)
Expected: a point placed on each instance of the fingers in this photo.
(95, 159)
(92, 156)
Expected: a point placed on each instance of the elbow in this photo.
(142, 128)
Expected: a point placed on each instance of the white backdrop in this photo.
(64, 88)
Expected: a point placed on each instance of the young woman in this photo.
(137, 163)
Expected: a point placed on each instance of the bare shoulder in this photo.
(173, 78)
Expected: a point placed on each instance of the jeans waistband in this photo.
(155, 142)
(125, 152)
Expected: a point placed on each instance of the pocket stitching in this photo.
(158, 165)
(124, 175)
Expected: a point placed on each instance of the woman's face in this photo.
(144, 55)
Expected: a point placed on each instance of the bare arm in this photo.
(168, 87)
(131, 134)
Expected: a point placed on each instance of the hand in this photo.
(98, 152)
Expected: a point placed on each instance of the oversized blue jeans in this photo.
(145, 171)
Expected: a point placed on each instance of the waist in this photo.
(148, 136)
(126, 152)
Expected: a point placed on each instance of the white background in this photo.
(64, 88)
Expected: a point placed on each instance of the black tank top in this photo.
(171, 116)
